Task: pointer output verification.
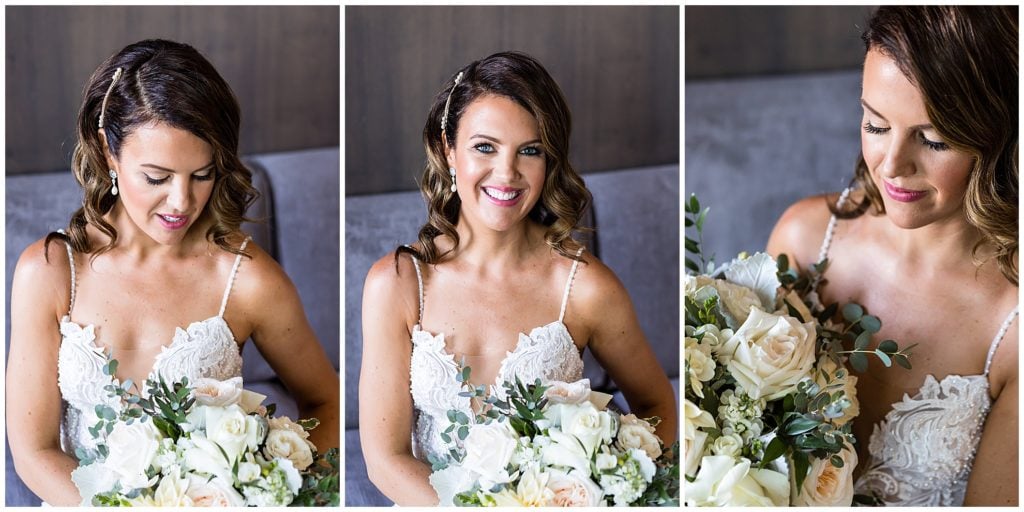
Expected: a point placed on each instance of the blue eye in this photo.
(484, 148)
(531, 151)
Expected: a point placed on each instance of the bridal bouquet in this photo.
(207, 443)
(768, 399)
(552, 444)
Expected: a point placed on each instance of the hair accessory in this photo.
(113, 178)
(444, 117)
(451, 172)
(103, 107)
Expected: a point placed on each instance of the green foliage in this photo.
(663, 490)
(320, 485)
(695, 217)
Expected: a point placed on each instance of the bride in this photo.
(495, 259)
(155, 247)
(927, 239)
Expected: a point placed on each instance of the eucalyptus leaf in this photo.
(888, 346)
(852, 312)
(871, 323)
(859, 362)
(902, 360)
(863, 340)
(837, 461)
(884, 357)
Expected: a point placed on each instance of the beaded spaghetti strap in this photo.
(568, 285)
(999, 337)
(231, 278)
(71, 261)
(419, 283)
(827, 242)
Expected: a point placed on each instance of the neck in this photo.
(136, 244)
(934, 248)
(487, 248)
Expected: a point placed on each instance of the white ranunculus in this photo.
(214, 492)
(217, 393)
(489, 448)
(532, 490)
(725, 481)
(591, 426)
(849, 387)
(288, 445)
(771, 354)
(572, 489)
(132, 449)
(565, 451)
(172, 492)
(827, 485)
(230, 428)
(451, 481)
(637, 433)
(728, 444)
(694, 439)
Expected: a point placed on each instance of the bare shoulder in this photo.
(1004, 369)
(596, 288)
(391, 282)
(43, 272)
(801, 229)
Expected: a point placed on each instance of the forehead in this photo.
(160, 142)
(495, 114)
(889, 91)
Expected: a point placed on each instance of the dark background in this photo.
(618, 67)
(287, 103)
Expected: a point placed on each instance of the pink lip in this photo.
(173, 225)
(502, 202)
(903, 195)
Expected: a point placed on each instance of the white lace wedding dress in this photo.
(921, 454)
(547, 352)
(204, 349)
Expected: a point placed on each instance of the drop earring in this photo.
(451, 172)
(113, 179)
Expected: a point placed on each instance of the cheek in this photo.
(872, 149)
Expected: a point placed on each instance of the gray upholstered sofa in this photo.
(300, 202)
(636, 217)
(756, 145)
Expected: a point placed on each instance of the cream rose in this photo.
(489, 449)
(286, 444)
(637, 433)
(217, 393)
(771, 354)
(571, 489)
(132, 448)
(827, 485)
(212, 493)
(231, 429)
(559, 392)
(724, 481)
(849, 386)
(728, 444)
(694, 439)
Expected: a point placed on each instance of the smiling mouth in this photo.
(502, 195)
(174, 219)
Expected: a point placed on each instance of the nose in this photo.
(507, 168)
(180, 196)
(898, 160)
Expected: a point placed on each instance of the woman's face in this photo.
(164, 180)
(499, 162)
(921, 179)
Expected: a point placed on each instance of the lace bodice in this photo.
(203, 349)
(922, 453)
(547, 352)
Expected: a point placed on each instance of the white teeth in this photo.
(502, 196)
(171, 219)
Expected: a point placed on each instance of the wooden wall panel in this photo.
(282, 63)
(618, 67)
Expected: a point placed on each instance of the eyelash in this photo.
(934, 146)
(488, 149)
(161, 181)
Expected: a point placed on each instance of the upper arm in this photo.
(390, 306)
(617, 340)
(40, 294)
(993, 479)
(281, 331)
(799, 232)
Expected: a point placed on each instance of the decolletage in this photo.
(205, 348)
(548, 352)
(922, 453)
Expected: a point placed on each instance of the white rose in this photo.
(213, 493)
(849, 386)
(287, 444)
(132, 450)
(172, 492)
(728, 444)
(694, 439)
(217, 393)
(572, 489)
(725, 481)
(637, 433)
(532, 490)
(230, 428)
(489, 448)
(590, 426)
(202, 456)
(771, 354)
(827, 485)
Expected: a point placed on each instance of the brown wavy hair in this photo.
(522, 79)
(168, 82)
(964, 61)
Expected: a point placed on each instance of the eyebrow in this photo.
(164, 169)
(926, 126)
(498, 141)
